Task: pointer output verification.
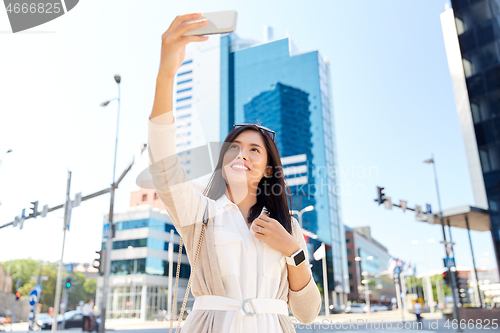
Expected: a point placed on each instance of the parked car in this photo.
(72, 319)
(336, 309)
(356, 308)
(378, 307)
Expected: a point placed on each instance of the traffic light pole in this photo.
(57, 300)
(109, 240)
(441, 219)
(65, 297)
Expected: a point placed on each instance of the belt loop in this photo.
(243, 307)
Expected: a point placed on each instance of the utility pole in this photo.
(57, 300)
(109, 240)
(453, 281)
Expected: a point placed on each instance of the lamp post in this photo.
(109, 240)
(302, 211)
(453, 281)
(365, 281)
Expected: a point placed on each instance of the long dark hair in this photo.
(275, 203)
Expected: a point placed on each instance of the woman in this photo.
(244, 280)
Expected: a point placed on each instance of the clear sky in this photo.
(392, 97)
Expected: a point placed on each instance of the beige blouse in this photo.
(249, 268)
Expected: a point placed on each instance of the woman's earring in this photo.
(269, 176)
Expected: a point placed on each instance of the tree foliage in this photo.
(82, 288)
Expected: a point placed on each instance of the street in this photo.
(361, 323)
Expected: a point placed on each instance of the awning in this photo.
(479, 219)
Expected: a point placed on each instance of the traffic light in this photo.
(447, 277)
(100, 262)
(18, 295)
(68, 283)
(34, 210)
(380, 195)
(463, 290)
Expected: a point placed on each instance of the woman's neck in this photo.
(244, 198)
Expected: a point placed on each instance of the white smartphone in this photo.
(218, 23)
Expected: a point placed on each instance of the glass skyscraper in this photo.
(471, 30)
(237, 80)
(139, 280)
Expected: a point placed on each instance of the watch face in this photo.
(300, 257)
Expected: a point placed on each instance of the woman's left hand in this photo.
(274, 235)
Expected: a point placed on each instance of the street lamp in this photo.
(109, 240)
(453, 282)
(302, 211)
(365, 281)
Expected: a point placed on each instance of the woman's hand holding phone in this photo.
(173, 47)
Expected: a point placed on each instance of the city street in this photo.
(361, 323)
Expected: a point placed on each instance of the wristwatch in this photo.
(296, 259)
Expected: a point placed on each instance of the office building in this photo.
(370, 265)
(471, 30)
(139, 261)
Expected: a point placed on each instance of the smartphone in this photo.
(218, 23)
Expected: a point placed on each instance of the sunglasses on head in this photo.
(260, 128)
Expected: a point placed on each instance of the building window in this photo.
(347, 240)
(348, 252)
(156, 196)
(184, 73)
(468, 68)
(184, 98)
(349, 264)
(144, 197)
(350, 276)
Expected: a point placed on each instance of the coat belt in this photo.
(249, 307)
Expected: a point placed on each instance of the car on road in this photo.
(336, 309)
(357, 308)
(378, 307)
(72, 319)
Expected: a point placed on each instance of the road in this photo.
(361, 323)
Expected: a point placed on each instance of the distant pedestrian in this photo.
(417, 309)
(87, 314)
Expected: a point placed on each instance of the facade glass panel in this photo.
(480, 45)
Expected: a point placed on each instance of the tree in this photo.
(82, 289)
(23, 269)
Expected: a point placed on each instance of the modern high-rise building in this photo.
(228, 80)
(370, 266)
(471, 30)
(139, 280)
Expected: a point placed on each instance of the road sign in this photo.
(450, 262)
(403, 204)
(388, 203)
(397, 270)
(419, 214)
(106, 231)
(34, 295)
(78, 199)
(45, 210)
(428, 209)
(69, 268)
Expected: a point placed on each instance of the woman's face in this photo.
(246, 159)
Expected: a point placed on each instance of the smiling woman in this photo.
(252, 265)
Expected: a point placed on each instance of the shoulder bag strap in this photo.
(205, 222)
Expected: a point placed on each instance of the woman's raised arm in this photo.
(173, 50)
(172, 185)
